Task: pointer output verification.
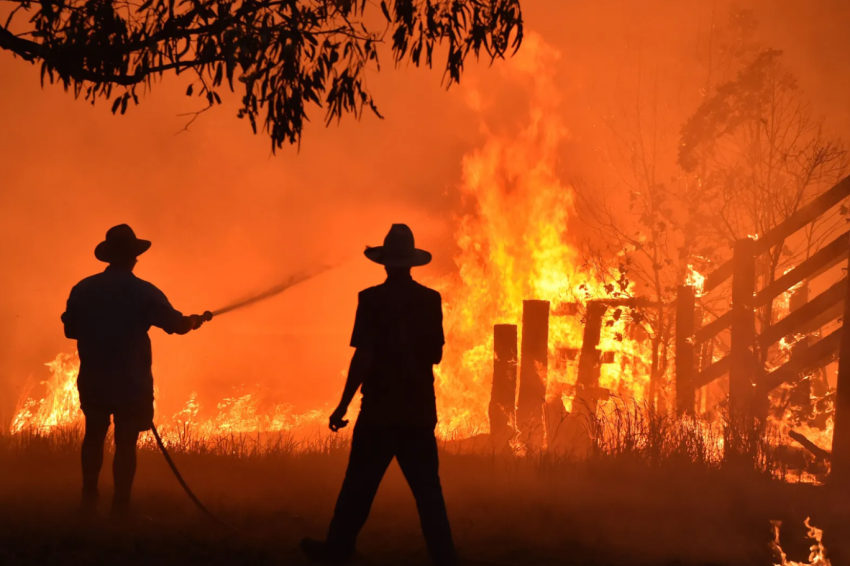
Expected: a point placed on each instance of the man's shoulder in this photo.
(371, 292)
(105, 279)
(86, 281)
(90, 282)
(379, 290)
(427, 292)
(145, 284)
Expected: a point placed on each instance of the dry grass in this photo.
(649, 492)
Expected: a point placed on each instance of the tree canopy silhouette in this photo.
(281, 55)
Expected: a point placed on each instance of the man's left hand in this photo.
(337, 420)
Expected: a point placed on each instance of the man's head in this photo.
(397, 271)
(399, 252)
(121, 247)
(124, 264)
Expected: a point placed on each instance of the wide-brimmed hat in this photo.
(399, 249)
(120, 243)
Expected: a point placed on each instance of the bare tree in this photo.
(641, 233)
(748, 157)
(762, 155)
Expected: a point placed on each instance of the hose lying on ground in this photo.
(185, 486)
(276, 290)
(215, 519)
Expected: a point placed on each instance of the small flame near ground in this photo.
(240, 414)
(61, 404)
(817, 552)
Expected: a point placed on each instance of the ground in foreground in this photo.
(503, 510)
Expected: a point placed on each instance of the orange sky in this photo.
(228, 218)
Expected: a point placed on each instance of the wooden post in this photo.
(533, 367)
(590, 360)
(840, 474)
(742, 356)
(685, 360)
(503, 394)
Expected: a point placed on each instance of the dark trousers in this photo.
(123, 465)
(372, 450)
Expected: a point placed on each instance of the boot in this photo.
(321, 551)
(120, 506)
(88, 503)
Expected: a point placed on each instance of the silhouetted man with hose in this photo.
(398, 337)
(109, 314)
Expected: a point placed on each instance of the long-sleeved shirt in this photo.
(109, 314)
(401, 323)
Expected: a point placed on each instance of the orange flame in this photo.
(817, 552)
(513, 246)
(61, 404)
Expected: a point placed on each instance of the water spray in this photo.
(207, 316)
(269, 293)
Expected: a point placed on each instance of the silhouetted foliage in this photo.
(760, 154)
(283, 55)
(735, 103)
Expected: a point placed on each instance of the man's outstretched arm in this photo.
(184, 324)
(361, 363)
(172, 321)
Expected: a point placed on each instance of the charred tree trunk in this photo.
(533, 367)
(503, 394)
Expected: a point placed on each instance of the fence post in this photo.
(840, 474)
(685, 361)
(742, 356)
(534, 361)
(589, 360)
(502, 408)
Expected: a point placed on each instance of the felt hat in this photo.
(399, 249)
(120, 243)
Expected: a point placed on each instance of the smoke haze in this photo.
(228, 219)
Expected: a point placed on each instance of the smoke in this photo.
(225, 215)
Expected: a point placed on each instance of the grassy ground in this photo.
(615, 510)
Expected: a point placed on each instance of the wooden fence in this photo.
(749, 383)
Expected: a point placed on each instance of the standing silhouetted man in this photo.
(398, 337)
(109, 314)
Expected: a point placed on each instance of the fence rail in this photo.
(749, 382)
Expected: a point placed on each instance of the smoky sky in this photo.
(227, 218)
